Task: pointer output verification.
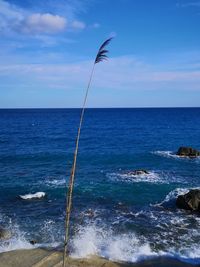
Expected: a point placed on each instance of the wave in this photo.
(151, 177)
(92, 240)
(33, 196)
(17, 238)
(172, 196)
(100, 239)
(47, 235)
(128, 247)
(167, 154)
(171, 154)
(56, 182)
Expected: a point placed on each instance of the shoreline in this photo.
(41, 257)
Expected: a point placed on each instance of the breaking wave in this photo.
(92, 240)
(157, 177)
(172, 154)
(128, 247)
(167, 154)
(172, 196)
(33, 196)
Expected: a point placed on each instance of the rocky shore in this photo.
(46, 258)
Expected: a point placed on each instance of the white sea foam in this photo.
(92, 240)
(171, 154)
(167, 154)
(33, 196)
(151, 177)
(175, 193)
(17, 239)
(56, 182)
(47, 236)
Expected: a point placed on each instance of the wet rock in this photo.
(4, 234)
(189, 201)
(138, 172)
(89, 213)
(188, 152)
(33, 242)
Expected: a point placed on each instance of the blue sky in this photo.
(47, 49)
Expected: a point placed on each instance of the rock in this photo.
(188, 152)
(89, 213)
(189, 201)
(138, 172)
(33, 242)
(4, 234)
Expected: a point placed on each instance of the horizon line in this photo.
(96, 107)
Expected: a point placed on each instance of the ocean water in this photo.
(115, 215)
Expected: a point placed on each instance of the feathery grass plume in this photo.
(101, 55)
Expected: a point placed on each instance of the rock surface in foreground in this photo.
(189, 201)
(188, 152)
(47, 258)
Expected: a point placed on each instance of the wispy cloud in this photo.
(121, 73)
(78, 25)
(189, 4)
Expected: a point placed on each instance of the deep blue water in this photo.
(114, 214)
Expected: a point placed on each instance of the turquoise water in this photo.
(115, 215)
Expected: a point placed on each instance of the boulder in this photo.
(138, 172)
(4, 234)
(189, 201)
(188, 152)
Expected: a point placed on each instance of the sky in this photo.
(47, 49)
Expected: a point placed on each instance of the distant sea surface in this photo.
(115, 214)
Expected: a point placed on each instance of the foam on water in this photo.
(92, 240)
(167, 154)
(98, 238)
(33, 196)
(47, 236)
(129, 247)
(175, 193)
(17, 239)
(157, 177)
(171, 154)
(56, 182)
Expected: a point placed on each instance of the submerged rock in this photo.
(189, 201)
(188, 152)
(138, 172)
(4, 234)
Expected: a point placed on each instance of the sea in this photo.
(115, 214)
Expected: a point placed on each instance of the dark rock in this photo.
(4, 234)
(189, 201)
(188, 152)
(90, 213)
(138, 172)
(33, 242)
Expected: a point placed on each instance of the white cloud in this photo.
(19, 20)
(78, 25)
(43, 23)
